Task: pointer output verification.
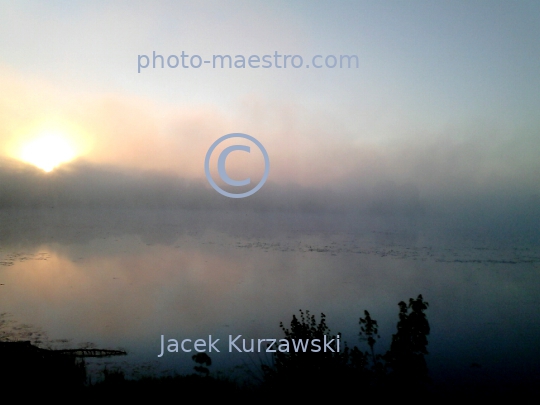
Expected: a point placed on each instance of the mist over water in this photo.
(118, 257)
(122, 277)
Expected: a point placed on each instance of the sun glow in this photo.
(47, 151)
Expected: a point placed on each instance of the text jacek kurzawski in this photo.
(238, 345)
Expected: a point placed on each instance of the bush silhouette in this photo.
(294, 369)
(202, 359)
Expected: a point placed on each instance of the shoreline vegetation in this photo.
(400, 373)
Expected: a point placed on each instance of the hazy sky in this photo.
(444, 102)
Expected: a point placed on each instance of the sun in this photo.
(48, 150)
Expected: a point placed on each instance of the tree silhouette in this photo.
(368, 331)
(405, 359)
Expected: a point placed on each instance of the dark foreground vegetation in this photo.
(400, 373)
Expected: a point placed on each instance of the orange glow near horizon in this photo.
(48, 150)
(48, 145)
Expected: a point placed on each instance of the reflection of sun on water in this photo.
(47, 151)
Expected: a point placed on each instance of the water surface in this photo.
(121, 279)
